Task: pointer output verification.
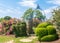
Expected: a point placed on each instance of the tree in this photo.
(39, 15)
(7, 17)
(56, 18)
(28, 16)
(1, 19)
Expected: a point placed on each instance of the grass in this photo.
(16, 40)
(5, 38)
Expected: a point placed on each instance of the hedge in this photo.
(49, 38)
(51, 30)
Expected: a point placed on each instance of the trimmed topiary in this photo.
(20, 29)
(51, 30)
(43, 25)
(49, 38)
(46, 32)
(23, 29)
(41, 32)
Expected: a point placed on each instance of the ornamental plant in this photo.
(45, 32)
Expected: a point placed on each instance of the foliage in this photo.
(35, 24)
(49, 38)
(7, 17)
(39, 15)
(6, 27)
(36, 21)
(20, 29)
(45, 31)
(56, 17)
(43, 25)
(1, 19)
(41, 32)
(28, 14)
(51, 30)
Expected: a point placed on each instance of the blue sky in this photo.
(16, 8)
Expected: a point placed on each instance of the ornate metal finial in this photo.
(38, 7)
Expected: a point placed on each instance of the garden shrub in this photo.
(15, 30)
(51, 30)
(20, 30)
(49, 38)
(23, 29)
(41, 32)
(46, 32)
(43, 25)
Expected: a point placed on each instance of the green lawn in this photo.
(16, 40)
(5, 38)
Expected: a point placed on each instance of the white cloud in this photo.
(48, 12)
(9, 11)
(28, 3)
(57, 2)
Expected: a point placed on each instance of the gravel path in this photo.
(29, 39)
(9, 41)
